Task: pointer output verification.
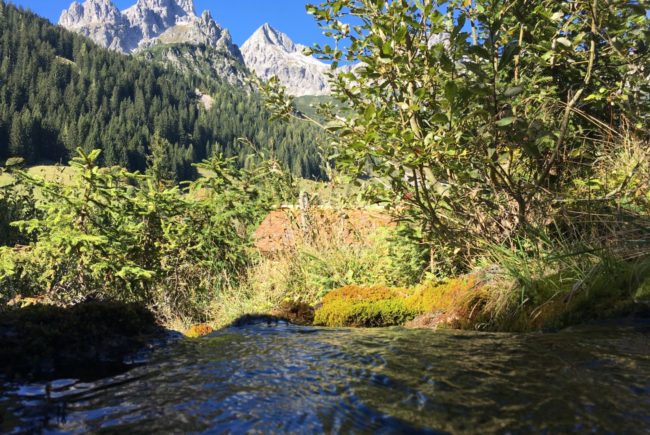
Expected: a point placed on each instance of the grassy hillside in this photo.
(54, 173)
(309, 104)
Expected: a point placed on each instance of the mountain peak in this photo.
(159, 22)
(144, 24)
(266, 34)
(168, 7)
(91, 12)
(270, 52)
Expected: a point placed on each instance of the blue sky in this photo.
(242, 17)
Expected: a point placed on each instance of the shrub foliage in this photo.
(134, 237)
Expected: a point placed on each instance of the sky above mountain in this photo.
(241, 17)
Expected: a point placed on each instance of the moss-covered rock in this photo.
(443, 296)
(364, 307)
(41, 341)
(492, 302)
(298, 313)
(200, 330)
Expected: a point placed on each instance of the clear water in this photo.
(283, 378)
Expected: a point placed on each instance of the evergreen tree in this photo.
(160, 164)
(60, 91)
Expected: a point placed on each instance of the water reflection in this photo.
(292, 379)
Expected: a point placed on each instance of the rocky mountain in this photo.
(158, 24)
(170, 32)
(270, 52)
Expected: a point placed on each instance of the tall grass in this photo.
(333, 251)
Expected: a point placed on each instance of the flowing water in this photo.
(282, 378)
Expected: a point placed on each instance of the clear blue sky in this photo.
(242, 17)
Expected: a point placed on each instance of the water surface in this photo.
(282, 378)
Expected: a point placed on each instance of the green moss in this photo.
(476, 301)
(364, 307)
(200, 330)
(447, 295)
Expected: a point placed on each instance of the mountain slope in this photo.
(269, 53)
(152, 23)
(198, 61)
(60, 91)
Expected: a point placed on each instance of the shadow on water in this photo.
(274, 377)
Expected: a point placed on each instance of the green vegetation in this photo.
(54, 173)
(522, 142)
(134, 237)
(59, 91)
(488, 300)
(511, 164)
(364, 307)
(517, 117)
(338, 247)
(197, 61)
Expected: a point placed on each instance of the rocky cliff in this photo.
(170, 31)
(157, 24)
(269, 53)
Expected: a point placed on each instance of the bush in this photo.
(136, 238)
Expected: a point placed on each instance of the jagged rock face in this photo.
(146, 23)
(152, 23)
(99, 20)
(269, 53)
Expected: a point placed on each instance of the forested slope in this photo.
(60, 91)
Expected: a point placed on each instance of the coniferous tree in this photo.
(60, 91)
(160, 164)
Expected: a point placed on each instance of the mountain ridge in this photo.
(62, 91)
(144, 23)
(151, 23)
(155, 28)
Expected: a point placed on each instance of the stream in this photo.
(284, 378)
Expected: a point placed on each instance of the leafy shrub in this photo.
(513, 131)
(130, 237)
(16, 202)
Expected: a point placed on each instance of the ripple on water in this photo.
(292, 379)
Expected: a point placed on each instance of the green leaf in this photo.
(451, 90)
(506, 121)
(564, 42)
(387, 48)
(515, 90)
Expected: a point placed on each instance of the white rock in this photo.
(146, 23)
(270, 53)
